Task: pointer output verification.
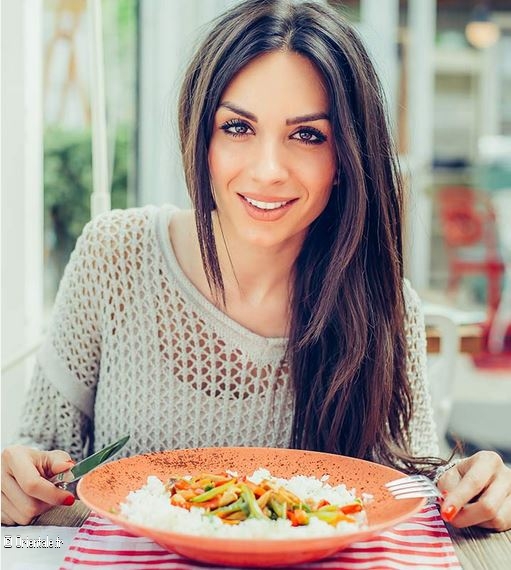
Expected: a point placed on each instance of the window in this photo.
(67, 121)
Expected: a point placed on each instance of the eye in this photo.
(236, 128)
(309, 135)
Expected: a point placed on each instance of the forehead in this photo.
(280, 80)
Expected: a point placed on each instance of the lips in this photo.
(267, 210)
(267, 205)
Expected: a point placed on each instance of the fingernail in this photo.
(68, 501)
(70, 461)
(449, 513)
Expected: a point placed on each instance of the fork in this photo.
(412, 487)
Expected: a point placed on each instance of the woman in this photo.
(273, 314)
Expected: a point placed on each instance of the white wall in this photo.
(22, 197)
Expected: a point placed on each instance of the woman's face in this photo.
(271, 155)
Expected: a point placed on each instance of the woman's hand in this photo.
(477, 491)
(26, 491)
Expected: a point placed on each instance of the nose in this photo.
(269, 165)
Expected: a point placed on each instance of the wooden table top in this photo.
(471, 339)
(477, 549)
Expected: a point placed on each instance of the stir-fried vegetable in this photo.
(235, 499)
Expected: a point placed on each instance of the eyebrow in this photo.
(291, 121)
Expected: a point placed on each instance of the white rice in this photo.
(150, 506)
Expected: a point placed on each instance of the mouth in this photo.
(267, 206)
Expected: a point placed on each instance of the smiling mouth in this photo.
(266, 206)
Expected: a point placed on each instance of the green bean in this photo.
(212, 493)
(328, 508)
(254, 509)
(278, 508)
(330, 517)
(239, 505)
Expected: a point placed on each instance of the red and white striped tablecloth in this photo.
(422, 542)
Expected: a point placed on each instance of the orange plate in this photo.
(106, 487)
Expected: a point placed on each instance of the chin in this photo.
(269, 238)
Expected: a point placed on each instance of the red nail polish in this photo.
(449, 513)
(68, 501)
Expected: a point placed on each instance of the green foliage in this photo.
(127, 19)
(68, 180)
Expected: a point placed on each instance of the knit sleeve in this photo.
(422, 434)
(51, 421)
(59, 404)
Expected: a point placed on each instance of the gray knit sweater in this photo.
(134, 347)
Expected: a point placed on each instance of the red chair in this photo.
(469, 232)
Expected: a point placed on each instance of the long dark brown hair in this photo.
(347, 346)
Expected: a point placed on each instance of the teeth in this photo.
(265, 205)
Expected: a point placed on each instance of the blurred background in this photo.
(446, 69)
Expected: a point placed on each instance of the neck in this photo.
(251, 273)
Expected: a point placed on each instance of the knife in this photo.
(67, 480)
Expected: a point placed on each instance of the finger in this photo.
(10, 512)
(54, 462)
(7, 512)
(487, 507)
(502, 520)
(22, 508)
(6, 520)
(449, 480)
(24, 467)
(477, 473)
(19, 459)
(47, 463)
(44, 490)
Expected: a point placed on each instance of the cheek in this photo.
(224, 164)
(320, 177)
